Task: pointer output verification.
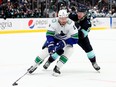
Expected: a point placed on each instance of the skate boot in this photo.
(56, 71)
(95, 66)
(32, 68)
(46, 65)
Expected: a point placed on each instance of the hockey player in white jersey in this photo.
(61, 36)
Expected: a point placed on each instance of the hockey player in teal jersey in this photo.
(83, 22)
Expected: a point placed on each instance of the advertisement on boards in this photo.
(113, 23)
(101, 23)
(20, 25)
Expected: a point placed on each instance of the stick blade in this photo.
(14, 84)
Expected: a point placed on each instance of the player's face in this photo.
(63, 20)
(80, 15)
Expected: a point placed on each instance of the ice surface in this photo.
(18, 51)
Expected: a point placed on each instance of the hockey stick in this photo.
(15, 83)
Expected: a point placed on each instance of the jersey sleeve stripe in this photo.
(75, 36)
(50, 33)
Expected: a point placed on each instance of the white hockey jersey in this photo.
(64, 32)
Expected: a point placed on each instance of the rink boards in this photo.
(29, 25)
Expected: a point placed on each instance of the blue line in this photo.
(110, 22)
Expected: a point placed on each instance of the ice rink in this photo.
(18, 51)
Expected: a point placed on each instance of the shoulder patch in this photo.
(69, 22)
(54, 20)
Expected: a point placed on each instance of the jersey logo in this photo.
(61, 33)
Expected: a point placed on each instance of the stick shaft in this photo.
(21, 77)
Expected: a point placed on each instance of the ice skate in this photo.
(56, 71)
(32, 69)
(95, 66)
(46, 65)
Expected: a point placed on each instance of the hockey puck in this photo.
(14, 84)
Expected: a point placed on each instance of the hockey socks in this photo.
(38, 60)
(91, 56)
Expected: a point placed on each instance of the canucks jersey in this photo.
(61, 32)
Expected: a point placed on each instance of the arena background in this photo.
(23, 16)
(22, 33)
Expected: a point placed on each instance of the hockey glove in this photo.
(51, 48)
(59, 45)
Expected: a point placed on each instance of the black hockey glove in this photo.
(60, 51)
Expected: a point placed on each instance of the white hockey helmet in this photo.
(63, 13)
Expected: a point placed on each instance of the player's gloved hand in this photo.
(51, 47)
(59, 45)
(82, 33)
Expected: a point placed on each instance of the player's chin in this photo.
(63, 23)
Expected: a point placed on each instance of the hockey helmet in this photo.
(82, 9)
(63, 13)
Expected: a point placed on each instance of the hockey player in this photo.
(83, 23)
(61, 35)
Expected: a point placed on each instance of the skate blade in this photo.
(55, 74)
(98, 71)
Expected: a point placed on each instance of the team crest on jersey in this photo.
(62, 33)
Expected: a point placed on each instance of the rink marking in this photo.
(99, 28)
(21, 31)
(39, 30)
